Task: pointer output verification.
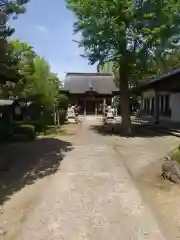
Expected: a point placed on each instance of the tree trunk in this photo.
(54, 116)
(58, 118)
(125, 103)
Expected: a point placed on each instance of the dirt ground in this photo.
(39, 160)
(22, 184)
(162, 196)
(143, 157)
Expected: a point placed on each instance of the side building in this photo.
(90, 90)
(161, 97)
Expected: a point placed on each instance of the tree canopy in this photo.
(11, 9)
(36, 82)
(131, 34)
(23, 74)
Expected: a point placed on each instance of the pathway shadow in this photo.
(22, 164)
(137, 130)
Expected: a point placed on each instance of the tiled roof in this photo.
(83, 82)
(164, 76)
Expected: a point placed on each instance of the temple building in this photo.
(90, 90)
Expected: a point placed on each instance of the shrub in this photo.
(62, 101)
(5, 130)
(16, 131)
(176, 155)
(62, 116)
(24, 132)
(39, 126)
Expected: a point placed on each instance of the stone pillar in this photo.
(84, 107)
(156, 107)
(141, 103)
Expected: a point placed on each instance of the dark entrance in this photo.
(90, 107)
(81, 105)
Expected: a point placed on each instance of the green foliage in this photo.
(107, 67)
(176, 155)
(38, 125)
(62, 101)
(26, 132)
(131, 34)
(16, 131)
(12, 8)
(62, 116)
(21, 58)
(36, 81)
(43, 85)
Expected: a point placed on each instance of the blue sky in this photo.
(49, 28)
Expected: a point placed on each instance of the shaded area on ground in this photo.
(167, 124)
(24, 163)
(137, 130)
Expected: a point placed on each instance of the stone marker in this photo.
(71, 114)
(171, 170)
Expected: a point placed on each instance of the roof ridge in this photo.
(88, 74)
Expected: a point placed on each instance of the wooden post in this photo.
(96, 110)
(156, 108)
(84, 107)
(142, 103)
(54, 116)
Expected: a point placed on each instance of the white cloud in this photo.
(41, 28)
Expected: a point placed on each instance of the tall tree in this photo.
(43, 86)
(129, 33)
(20, 59)
(10, 9)
(36, 81)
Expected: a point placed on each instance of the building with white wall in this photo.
(160, 97)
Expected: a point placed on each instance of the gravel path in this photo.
(91, 197)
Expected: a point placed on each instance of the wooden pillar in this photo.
(112, 101)
(104, 103)
(84, 107)
(141, 103)
(156, 108)
(96, 110)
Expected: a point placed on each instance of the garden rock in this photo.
(2, 232)
(171, 170)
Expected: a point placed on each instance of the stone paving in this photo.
(92, 196)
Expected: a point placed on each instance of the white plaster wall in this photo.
(175, 107)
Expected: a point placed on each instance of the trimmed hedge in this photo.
(39, 126)
(26, 132)
(17, 132)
